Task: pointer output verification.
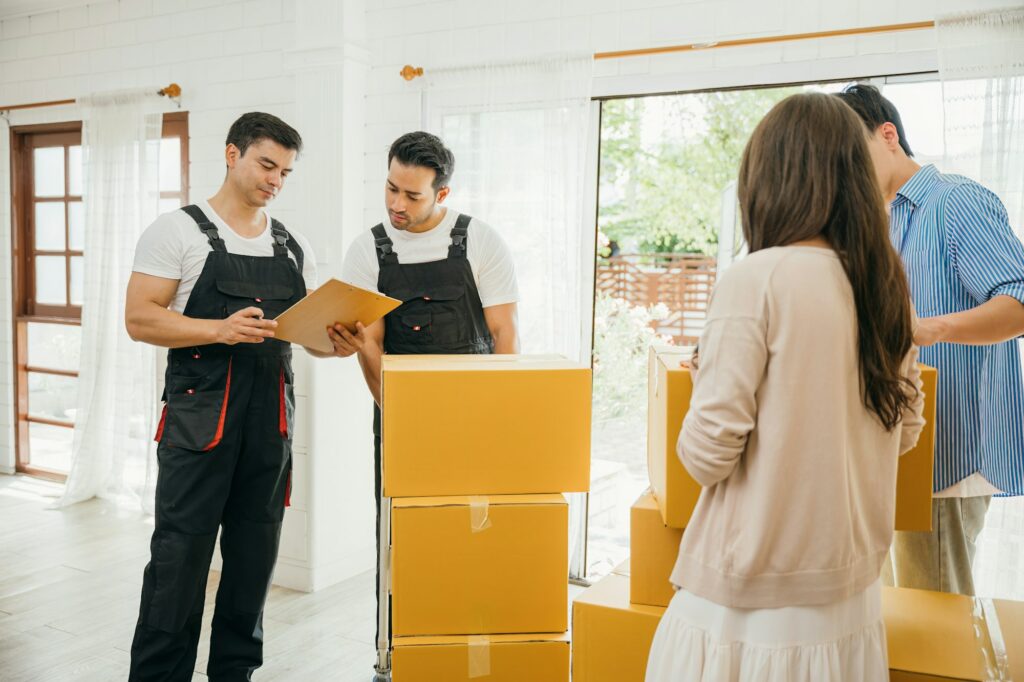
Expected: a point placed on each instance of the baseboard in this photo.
(293, 576)
(352, 565)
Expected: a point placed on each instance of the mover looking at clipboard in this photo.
(454, 274)
(207, 282)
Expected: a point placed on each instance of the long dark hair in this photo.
(806, 173)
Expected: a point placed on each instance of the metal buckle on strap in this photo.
(385, 246)
(281, 239)
(212, 232)
(458, 239)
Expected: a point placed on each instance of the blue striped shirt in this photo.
(959, 251)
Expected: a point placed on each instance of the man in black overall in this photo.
(454, 274)
(205, 281)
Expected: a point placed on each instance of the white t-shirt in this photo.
(489, 256)
(175, 248)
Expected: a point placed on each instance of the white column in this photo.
(329, 531)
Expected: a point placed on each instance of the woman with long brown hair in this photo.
(805, 394)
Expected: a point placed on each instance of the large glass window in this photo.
(667, 225)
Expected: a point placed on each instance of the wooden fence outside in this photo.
(682, 282)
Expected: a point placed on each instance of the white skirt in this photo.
(700, 641)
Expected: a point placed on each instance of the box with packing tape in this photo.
(485, 425)
(670, 388)
(611, 637)
(914, 476)
(479, 565)
(939, 637)
(653, 548)
(495, 658)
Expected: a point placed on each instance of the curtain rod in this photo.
(173, 90)
(410, 72)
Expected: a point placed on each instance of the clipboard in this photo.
(306, 322)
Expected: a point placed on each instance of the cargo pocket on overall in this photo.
(272, 299)
(415, 327)
(286, 402)
(444, 304)
(194, 419)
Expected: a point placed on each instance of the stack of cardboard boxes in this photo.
(931, 635)
(614, 621)
(477, 451)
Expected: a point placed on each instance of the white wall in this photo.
(288, 58)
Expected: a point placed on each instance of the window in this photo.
(48, 249)
(667, 200)
(667, 224)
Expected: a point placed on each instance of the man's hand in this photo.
(345, 342)
(245, 326)
(930, 330)
(997, 320)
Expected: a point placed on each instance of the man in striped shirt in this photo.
(965, 267)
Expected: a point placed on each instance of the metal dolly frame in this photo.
(383, 665)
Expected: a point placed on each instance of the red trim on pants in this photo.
(288, 491)
(223, 412)
(160, 427)
(282, 414)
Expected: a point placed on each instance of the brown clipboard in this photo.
(306, 322)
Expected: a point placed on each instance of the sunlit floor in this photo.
(69, 598)
(70, 581)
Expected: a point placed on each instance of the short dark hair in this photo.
(250, 128)
(874, 109)
(425, 150)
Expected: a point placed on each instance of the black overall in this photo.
(441, 314)
(224, 463)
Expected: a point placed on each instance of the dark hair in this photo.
(874, 109)
(807, 172)
(250, 128)
(425, 150)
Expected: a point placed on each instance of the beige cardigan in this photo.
(799, 476)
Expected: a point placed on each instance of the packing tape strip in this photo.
(990, 639)
(479, 510)
(479, 653)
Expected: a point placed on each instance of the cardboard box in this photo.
(669, 388)
(611, 637)
(485, 425)
(466, 566)
(499, 658)
(914, 477)
(653, 549)
(935, 636)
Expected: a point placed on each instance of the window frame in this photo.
(24, 140)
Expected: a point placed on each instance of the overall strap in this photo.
(285, 242)
(385, 247)
(207, 228)
(460, 235)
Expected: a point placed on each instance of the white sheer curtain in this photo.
(521, 134)
(112, 452)
(981, 65)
